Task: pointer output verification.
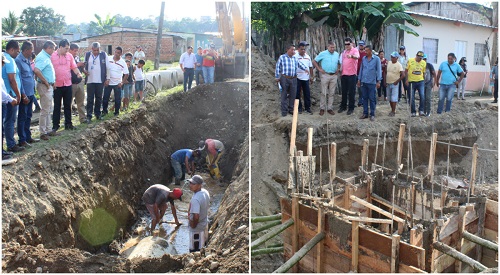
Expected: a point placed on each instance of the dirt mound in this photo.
(111, 165)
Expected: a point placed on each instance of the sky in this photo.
(83, 11)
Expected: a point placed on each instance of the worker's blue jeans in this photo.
(208, 74)
(445, 92)
(179, 169)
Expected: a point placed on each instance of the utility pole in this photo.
(158, 38)
(494, 51)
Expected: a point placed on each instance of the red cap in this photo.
(177, 193)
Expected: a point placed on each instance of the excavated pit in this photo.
(104, 170)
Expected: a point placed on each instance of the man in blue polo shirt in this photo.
(328, 68)
(369, 78)
(12, 79)
(23, 62)
(46, 77)
(182, 159)
(452, 74)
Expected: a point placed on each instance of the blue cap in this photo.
(425, 56)
(394, 54)
(361, 42)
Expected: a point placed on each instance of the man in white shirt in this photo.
(117, 73)
(188, 64)
(304, 77)
(138, 55)
(198, 214)
(96, 62)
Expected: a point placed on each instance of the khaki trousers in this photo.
(328, 89)
(79, 94)
(46, 106)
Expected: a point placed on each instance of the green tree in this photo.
(42, 21)
(103, 26)
(11, 24)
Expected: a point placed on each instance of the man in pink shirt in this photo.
(215, 149)
(63, 63)
(349, 61)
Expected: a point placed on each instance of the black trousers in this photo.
(65, 94)
(348, 91)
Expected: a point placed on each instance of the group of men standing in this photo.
(200, 64)
(57, 75)
(360, 68)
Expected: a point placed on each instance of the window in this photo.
(460, 49)
(431, 49)
(480, 52)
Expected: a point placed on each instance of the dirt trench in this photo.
(109, 167)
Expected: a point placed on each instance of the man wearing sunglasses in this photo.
(349, 62)
(96, 69)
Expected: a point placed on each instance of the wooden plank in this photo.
(461, 228)
(355, 246)
(333, 161)
(399, 153)
(491, 222)
(395, 253)
(364, 154)
(432, 155)
(319, 247)
(377, 209)
(295, 234)
(386, 203)
(492, 207)
(491, 235)
(294, 127)
(409, 269)
(373, 262)
(368, 220)
(444, 261)
(347, 201)
(309, 141)
(416, 237)
(451, 225)
(473, 168)
(412, 255)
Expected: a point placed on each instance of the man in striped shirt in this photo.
(286, 74)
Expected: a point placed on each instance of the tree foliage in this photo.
(102, 26)
(42, 21)
(11, 24)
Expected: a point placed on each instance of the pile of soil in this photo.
(110, 166)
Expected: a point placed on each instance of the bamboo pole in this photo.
(395, 253)
(364, 154)
(400, 145)
(269, 250)
(460, 243)
(294, 126)
(432, 156)
(475, 239)
(355, 246)
(319, 248)
(266, 218)
(477, 266)
(265, 227)
(292, 262)
(473, 169)
(295, 234)
(271, 234)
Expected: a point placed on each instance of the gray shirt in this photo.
(156, 194)
(200, 203)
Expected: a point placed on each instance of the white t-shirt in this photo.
(139, 55)
(116, 70)
(94, 68)
(306, 60)
(200, 202)
(138, 73)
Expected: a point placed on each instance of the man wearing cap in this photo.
(430, 76)
(461, 86)
(44, 70)
(198, 214)
(369, 79)
(6, 99)
(349, 62)
(394, 74)
(362, 53)
(215, 149)
(494, 78)
(181, 160)
(188, 64)
(328, 64)
(415, 70)
(155, 198)
(304, 78)
(285, 74)
(449, 82)
(198, 70)
(12, 79)
(403, 60)
(138, 55)
(208, 65)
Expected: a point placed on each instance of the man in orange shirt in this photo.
(208, 66)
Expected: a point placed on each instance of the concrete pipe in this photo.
(165, 78)
(154, 78)
(174, 77)
(180, 75)
(149, 247)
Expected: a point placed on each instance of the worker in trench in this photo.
(182, 161)
(198, 214)
(155, 198)
(215, 149)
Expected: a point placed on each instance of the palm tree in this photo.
(104, 26)
(11, 24)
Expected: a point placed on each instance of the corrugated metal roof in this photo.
(448, 19)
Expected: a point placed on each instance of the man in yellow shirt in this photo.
(415, 70)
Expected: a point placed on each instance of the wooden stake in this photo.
(395, 253)
(295, 236)
(319, 248)
(383, 152)
(376, 149)
(477, 266)
(367, 220)
(292, 262)
(347, 194)
(400, 145)
(369, 195)
(333, 161)
(473, 169)
(309, 141)
(461, 228)
(364, 155)
(355, 246)
(432, 156)
(321, 171)
(377, 209)
(294, 126)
